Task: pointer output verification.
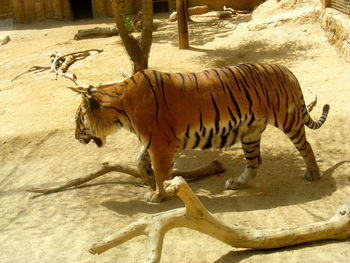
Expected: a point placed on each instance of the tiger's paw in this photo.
(312, 175)
(234, 184)
(154, 197)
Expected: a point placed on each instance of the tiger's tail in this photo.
(315, 124)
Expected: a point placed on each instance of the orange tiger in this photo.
(215, 108)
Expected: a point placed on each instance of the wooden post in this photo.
(182, 16)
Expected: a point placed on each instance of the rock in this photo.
(4, 40)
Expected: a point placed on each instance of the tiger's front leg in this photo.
(145, 168)
(162, 165)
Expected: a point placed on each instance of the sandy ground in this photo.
(37, 146)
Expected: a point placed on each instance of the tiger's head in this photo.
(91, 122)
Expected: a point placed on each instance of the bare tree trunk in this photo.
(137, 49)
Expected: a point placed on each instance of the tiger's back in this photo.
(211, 109)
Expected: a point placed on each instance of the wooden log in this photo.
(223, 14)
(182, 14)
(195, 216)
(96, 32)
(195, 10)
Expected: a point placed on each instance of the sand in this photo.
(37, 145)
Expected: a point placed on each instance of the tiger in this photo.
(211, 109)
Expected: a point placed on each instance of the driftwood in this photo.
(60, 62)
(214, 167)
(96, 32)
(195, 216)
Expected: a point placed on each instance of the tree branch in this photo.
(195, 216)
(214, 167)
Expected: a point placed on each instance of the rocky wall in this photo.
(337, 28)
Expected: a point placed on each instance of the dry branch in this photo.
(60, 62)
(195, 216)
(214, 167)
(96, 32)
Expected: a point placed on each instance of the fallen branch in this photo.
(195, 10)
(60, 62)
(96, 32)
(214, 167)
(195, 216)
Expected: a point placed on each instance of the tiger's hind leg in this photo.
(251, 146)
(298, 137)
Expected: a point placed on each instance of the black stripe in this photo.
(156, 77)
(234, 77)
(203, 132)
(251, 143)
(232, 115)
(300, 139)
(257, 71)
(245, 88)
(185, 143)
(183, 79)
(251, 158)
(122, 112)
(163, 90)
(234, 137)
(209, 142)
(200, 121)
(251, 74)
(153, 91)
(291, 123)
(217, 114)
(266, 75)
(133, 79)
(222, 83)
(275, 119)
(296, 135)
(235, 104)
(196, 79)
(229, 126)
(107, 94)
(187, 133)
(223, 138)
(252, 119)
(198, 138)
(149, 141)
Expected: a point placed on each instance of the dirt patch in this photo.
(37, 146)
